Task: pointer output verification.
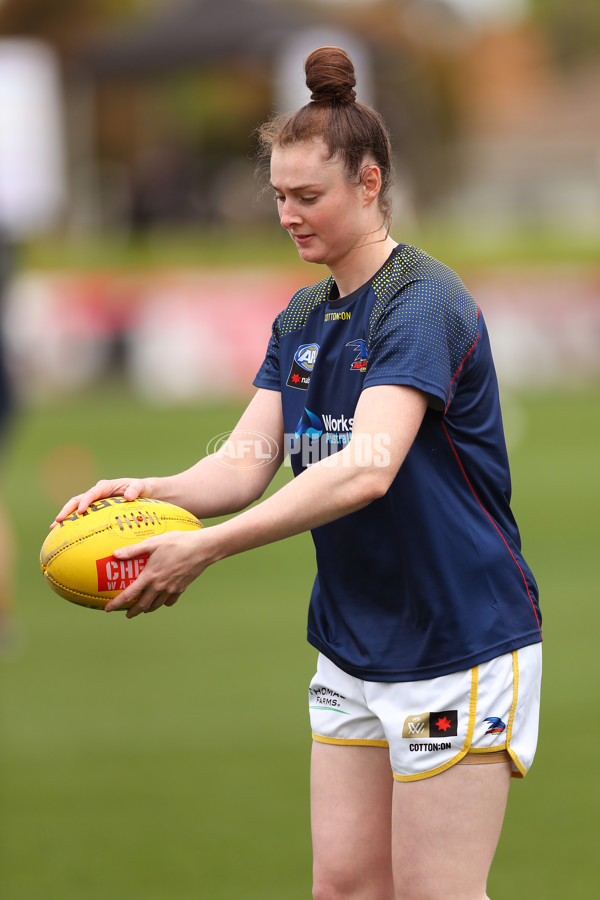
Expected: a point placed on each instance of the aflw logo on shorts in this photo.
(117, 574)
(431, 724)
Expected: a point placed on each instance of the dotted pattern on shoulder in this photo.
(424, 301)
(303, 302)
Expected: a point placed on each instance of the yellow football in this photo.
(77, 556)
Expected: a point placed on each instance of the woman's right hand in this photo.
(128, 488)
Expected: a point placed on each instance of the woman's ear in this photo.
(370, 178)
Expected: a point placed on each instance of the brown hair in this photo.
(351, 131)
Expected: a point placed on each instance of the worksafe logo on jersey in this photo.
(302, 366)
(310, 425)
(331, 430)
(361, 356)
(317, 438)
(431, 725)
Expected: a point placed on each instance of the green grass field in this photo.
(457, 244)
(167, 757)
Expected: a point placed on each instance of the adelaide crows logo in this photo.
(497, 726)
(359, 363)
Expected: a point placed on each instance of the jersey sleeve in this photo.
(291, 320)
(268, 376)
(421, 335)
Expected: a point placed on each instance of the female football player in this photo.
(379, 383)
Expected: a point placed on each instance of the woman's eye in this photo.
(309, 198)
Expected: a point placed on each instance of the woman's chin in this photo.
(311, 254)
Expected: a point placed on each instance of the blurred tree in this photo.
(573, 26)
(204, 116)
(414, 59)
(64, 23)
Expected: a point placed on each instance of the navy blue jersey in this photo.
(430, 578)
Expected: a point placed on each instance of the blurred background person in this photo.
(6, 410)
(31, 198)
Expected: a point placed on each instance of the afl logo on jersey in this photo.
(302, 366)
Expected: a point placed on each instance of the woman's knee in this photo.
(338, 885)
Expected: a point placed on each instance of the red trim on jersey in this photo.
(462, 362)
(514, 559)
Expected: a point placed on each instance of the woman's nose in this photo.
(288, 214)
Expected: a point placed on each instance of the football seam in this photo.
(77, 540)
(85, 537)
(71, 590)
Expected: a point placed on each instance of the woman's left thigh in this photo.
(445, 832)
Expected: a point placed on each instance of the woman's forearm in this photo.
(212, 488)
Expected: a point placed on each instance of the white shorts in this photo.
(484, 714)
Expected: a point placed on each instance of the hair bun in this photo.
(330, 76)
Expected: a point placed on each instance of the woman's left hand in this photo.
(174, 561)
